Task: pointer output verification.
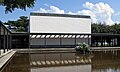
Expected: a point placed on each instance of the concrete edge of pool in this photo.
(33, 50)
(5, 58)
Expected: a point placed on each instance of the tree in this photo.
(23, 21)
(21, 24)
(102, 28)
(95, 28)
(11, 5)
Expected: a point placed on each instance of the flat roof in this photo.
(59, 15)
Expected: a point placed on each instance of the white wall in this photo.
(50, 24)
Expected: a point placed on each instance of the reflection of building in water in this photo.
(103, 61)
(74, 68)
(52, 62)
(60, 61)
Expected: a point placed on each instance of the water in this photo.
(65, 62)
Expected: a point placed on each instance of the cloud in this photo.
(99, 12)
(46, 5)
(56, 10)
(51, 9)
(117, 14)
(90, 13)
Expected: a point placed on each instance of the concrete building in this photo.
(59, 30)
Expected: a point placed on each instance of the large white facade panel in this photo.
(51, 24)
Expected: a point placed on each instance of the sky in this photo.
(105, 11)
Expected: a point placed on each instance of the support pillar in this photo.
(0, 40)
(4, 40)
(75, 40)
(60, 41)
(45, 40)
(7, 41)
(101, 41)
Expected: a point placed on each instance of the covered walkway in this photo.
(105, 40)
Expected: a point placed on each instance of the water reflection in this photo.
(58, 59)
(63, 62)
(106, 61)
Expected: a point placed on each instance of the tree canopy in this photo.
(21, 24)
(102, 28)
(11, 5)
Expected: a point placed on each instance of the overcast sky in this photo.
(107, 11)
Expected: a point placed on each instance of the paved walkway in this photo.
(5, 57)
(39, 50)
(105, 48)
(45, 50)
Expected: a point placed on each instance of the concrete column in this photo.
(75, 40)
(10, 42)
(60, 41)
(4, 40)
(45, 40)
(7, 41)
(0, 40)
(29, 41)
(101, 41)
(88, 40)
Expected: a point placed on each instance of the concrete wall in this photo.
(56, 41)
(51, 24)
(68, 41)
(52, 41)
(37, 41)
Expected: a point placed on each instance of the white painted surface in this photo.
(50, 24)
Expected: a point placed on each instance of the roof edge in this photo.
(59, 15)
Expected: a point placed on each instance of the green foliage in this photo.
(82, 47)
(21, 24)
(102, 28)
(20, 29)
(11, 5)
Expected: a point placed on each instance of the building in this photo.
(56, 30)
(59, 30)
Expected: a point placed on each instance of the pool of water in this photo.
(100, 61)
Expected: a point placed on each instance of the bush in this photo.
(82, 47)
